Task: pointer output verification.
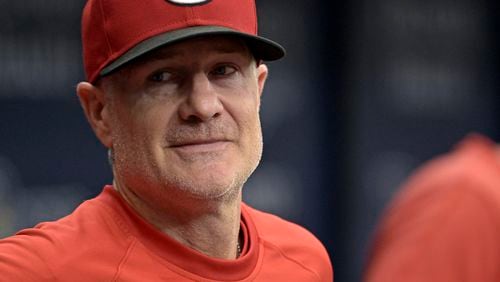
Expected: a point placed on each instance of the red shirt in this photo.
(105, 240)
(445, 224)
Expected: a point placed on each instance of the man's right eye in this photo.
(161, 76)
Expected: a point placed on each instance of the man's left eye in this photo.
(160, 76)
(223, 70)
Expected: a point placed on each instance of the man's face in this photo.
(184, 120)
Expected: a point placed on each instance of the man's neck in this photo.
(210, 227)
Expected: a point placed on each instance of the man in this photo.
(173, 92)
(445, 224)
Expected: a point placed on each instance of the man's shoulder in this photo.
(273, 228)
(68, 230)
(89, 215)
(49, 247)
(291, 241)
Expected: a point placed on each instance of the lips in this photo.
(195, 142)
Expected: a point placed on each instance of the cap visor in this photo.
(261, 47)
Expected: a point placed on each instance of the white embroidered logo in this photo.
(188, 2)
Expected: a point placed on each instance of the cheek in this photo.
(244, 108)
(247, 118)
(134, 127)
(137, 139)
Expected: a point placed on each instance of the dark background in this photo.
(368, 91)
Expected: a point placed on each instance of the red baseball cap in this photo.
(114, 32)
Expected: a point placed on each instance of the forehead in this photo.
(182, 52)
(197, 47)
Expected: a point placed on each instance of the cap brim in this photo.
(262, 48)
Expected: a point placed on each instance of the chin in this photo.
(212, 188)
(209, 185)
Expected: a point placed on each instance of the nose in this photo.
(202, 102)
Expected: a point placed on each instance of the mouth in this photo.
(199, 146)
(195, 142)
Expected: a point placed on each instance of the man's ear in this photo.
(96, 109)
(262, 72)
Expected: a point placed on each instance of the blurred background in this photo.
(368, 91)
